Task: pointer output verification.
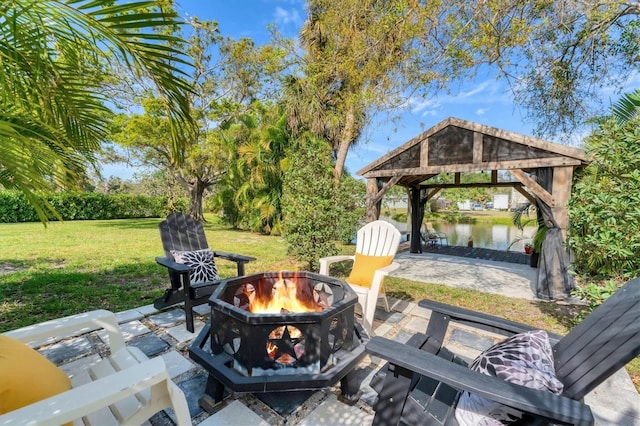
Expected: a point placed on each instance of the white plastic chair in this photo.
(378, 238)
(124, 388)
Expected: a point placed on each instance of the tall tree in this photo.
(53, 58)
(353, 54)
(228, 76)
(368, 55)
(259, 150)
(557, 55)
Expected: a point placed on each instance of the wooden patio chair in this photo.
(423, 381)
(191, 264)
(124, 388)
(376, 245)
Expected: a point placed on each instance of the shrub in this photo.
(309, 208)
(399, 217)
(14, 206)
(350, 201)
(604, 209)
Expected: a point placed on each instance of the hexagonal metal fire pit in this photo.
(282, 350)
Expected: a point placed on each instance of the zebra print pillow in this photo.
(203, 265)
(525, 359)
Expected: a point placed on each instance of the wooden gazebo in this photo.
(542, 171)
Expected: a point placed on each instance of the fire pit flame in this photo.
(286, 296)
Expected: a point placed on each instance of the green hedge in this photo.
(14, 207)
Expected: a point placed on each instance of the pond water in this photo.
(497, 237)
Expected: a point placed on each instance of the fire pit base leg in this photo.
(207, 404)
(214, 394)
(349, 389)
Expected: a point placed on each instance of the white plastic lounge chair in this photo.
(124, 388)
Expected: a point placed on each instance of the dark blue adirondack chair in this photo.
(422, 382)
(182, 232)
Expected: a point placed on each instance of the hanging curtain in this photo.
(554, 281)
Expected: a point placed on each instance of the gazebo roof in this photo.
(459, 146)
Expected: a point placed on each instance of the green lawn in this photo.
(75, 266)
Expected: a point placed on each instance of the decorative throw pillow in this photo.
(525, 359)
(364, 267)
(26, 376)
(203, 265)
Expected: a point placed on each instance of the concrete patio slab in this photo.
(506, 279)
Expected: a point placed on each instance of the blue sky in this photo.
(484, 100)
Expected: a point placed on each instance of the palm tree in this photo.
(627, 107)
(54, 56)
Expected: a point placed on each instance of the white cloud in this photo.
(285, 17)
(484, 86)
(633, 82)
(613, 91)
(416, 105)
(486, 92)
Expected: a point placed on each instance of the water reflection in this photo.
(497, 237)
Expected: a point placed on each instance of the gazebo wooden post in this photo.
(416, 220)
(561, 192)
(373, 207)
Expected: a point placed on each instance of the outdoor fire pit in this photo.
(278, 331)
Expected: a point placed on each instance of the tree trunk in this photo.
(196, 193)
(345, 142)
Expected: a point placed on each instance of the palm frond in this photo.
(53, 57)
(627, 107)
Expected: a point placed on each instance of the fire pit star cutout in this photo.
(337, 333)
(286, 347)
(323, 295)
(229, 338)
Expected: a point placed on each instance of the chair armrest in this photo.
(180, 268)
(480, 320)
(325, 262)
(379, 274)
(72, 326)
(540, 403)
(85, 399)
(233, 256)
(387, 269)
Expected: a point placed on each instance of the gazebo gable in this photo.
(456, 145)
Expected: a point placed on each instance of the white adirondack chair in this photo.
(124, 388)
(378, 238)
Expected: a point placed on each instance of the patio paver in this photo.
(614, 402)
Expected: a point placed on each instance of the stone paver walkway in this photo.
(480, 253)
(164, 334)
